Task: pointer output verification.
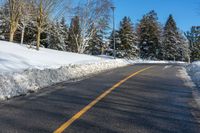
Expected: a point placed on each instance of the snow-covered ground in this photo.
(24, 70)
(194, 71)
(188, 79)
(191, 74)
(14, 57)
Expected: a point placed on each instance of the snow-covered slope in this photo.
(14, 57)
(24, 70)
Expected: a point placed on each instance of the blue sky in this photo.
(185, 12)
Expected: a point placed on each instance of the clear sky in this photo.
(185, 12)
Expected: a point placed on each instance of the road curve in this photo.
(153, 101)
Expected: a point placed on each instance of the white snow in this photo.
(194, 71)
(14, 57)
(139, 61)
(182, 73)
(191, 79)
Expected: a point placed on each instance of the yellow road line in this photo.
(99, 98)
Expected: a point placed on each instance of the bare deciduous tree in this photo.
(28, 13)
(45, 8)
(15, 13)
(93, 16)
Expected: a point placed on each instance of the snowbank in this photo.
(139, 61)
(194, 71)
(24, 70)
(187, 79)
(15, 84)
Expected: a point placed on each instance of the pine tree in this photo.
(176, 47)
(64, 32)
(170, 39)
(58, 37)
(30, 35)
(2, 25)
(183, 49)
(4, 22)
(96, 44)
(128, 39)
(117, 43)
(149, 36)
(194, 42)
(74, 34)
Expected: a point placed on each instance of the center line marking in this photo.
(99, 98)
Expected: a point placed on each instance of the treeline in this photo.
(151, 40)
(194, 42)
(43, 23)
(85, 29)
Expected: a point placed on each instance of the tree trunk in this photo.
(13, 28)
(102, 50)
(22, 35)
(38, 39)
(11, 37)
(39, 25)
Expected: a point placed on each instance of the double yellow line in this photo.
(99, 98)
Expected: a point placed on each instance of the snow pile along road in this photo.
(139, 61)
(188, 81)
(24, 70)
(194, 71)
(14, 84)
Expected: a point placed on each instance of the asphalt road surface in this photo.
(154, 100)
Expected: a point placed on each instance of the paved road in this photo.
(154, 101)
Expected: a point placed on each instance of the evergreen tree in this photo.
(74, 34)
(176, 47)
(4, 22)
(149, 36)
(58, 37)
(194, 42)
(65, 33)
(96, 44)
(55, 40)
(117, 43)
(183, 49)
(128, 39)
(170, 39)
(2, 25)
